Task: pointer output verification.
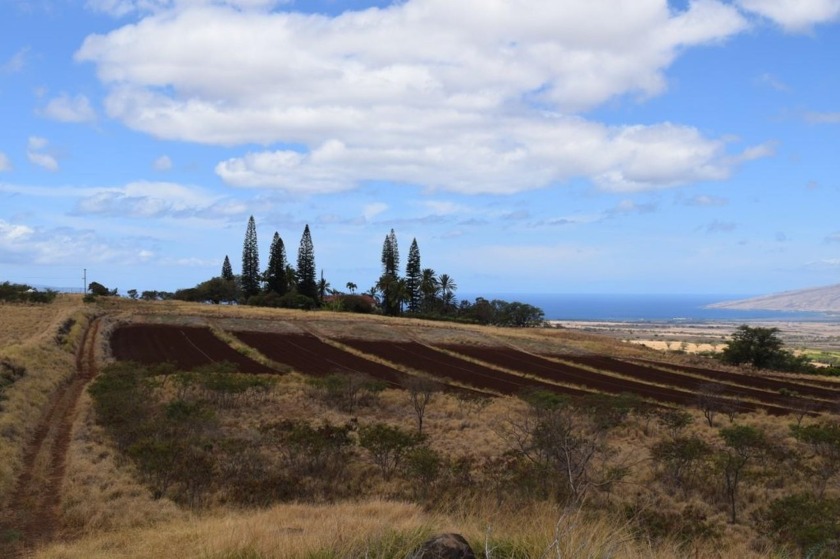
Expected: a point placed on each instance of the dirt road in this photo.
(32, 517)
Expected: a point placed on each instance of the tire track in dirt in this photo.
(33, 516)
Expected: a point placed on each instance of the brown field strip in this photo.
(588, 377)
(309, 355)
(504, 370)
(749, 380)
(188, 347)
(683, 381)
(437, 363)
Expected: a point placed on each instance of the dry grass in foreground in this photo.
(375, 529)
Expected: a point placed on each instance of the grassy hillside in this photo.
(217, 463)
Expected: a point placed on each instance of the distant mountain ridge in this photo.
(815, 299)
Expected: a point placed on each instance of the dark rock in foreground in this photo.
(444, 546)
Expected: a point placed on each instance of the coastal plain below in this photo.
(818, 338)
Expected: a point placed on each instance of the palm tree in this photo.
(351, 287)
(323, 287)
(447, 290)
(394, 293)
(429, 288)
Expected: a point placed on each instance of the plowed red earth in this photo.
(771, 402)
(439, 364)
(806, 388)
(188, 347)
(535, 365)
(309, 355)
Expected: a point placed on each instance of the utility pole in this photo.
(84, 281)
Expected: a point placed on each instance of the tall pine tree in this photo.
(390, 255)
(227, 270)
(413, 278)
(275, 274)
(250, 261)
(389, 284)
(306, 282)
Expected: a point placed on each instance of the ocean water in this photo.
(642, 308)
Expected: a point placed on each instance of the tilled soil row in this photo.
(188, 347)
(420, 357)
(826, 392)
(32, 518)
(308, 355)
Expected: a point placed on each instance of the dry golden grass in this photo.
(100, 492)
(380, 529)
(25, 322)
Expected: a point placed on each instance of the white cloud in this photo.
(157, 200)
(69, 109)
(822, 118)
(162, 163)
(794, 15)
(533, 154)
(445, 207)
(120, 8)
(773, 82)
(631, 207)
(372, 210)
(36, 142)
(708, 201)
(35, 145)
(35, 246)
(5, 163)
(16, 63)
(43, 160)
(823, 264)
(470, 96)
(11, 233)
(718, 226)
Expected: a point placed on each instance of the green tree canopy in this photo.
(413, 278)
(275, 274)
(250, 261)
(390, 285)
(227, 270)
(307, 285)
(762, 348)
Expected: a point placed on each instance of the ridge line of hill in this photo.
(814, 299)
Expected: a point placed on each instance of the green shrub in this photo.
(808, 523)
(388, 445)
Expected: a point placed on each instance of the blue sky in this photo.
(530, 146)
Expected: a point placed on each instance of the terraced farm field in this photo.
(308, 355)
(428, 360)
(498, 369)
(188, 347)
(597, 379)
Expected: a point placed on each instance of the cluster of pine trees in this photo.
(420, 292)
(279, 285)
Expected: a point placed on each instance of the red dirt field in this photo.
(694, 385)
(804, 388)
(309, 355)
(188, 347)
(535, 365)
(428, 360)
